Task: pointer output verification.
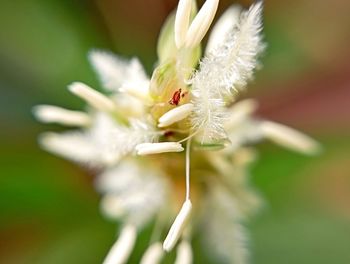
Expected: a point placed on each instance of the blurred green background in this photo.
(48, 208)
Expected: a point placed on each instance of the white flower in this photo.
(137, 133)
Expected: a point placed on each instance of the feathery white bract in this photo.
(114, 72)
(133, 194)
(226, 69)
(222, 28)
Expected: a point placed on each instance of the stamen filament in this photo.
(188, 161)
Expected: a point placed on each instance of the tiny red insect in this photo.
(175, 99)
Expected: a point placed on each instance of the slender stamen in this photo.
(120, 251)
(188, 161)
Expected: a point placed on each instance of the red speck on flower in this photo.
(175, 99)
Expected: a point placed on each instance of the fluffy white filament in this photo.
(121, 250)
(155, 148)
(115, 71)
(289, 137)
(201, 23)
(92, 97)
(184, 253)
(55, 114)
(182, 21)
(153, 254)
(223, 27)
(178, 226)
(174, 115)
(226, 69)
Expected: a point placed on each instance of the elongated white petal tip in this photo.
(153, 254)
(201, 23)
(290, 138)
(54, 114)
(182, 21)
(177, 227)
(155, 148)
(121, 250)
(92, 97)
(184, 253)
(175, 115)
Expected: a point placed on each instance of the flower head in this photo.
(173, 147)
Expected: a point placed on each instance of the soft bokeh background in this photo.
(48, 208)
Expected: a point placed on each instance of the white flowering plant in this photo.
(151, 139)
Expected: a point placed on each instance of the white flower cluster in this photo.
(135, 136)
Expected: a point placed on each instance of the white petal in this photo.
(111, 206)
(74, 146)
(177, 227)
(240, 112)
(153, 254)
(131, 192)
(223, 27)
(184, 253)
(154, 148)
(121, 250)
(139, 90)
(174, 115)
(289, 137)
(92, 97)
(201, 23)
(182, 21)
(54, 114)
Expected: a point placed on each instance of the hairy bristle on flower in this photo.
(55, 114)
(92, 97)
(121, 250)
(289, 138)
(201, 23)
(177, 227)
(229, 67)
(184, 253)
(153, 254)
(155, 148)
(222, 28)
(239, 53)
(115, 71)
(174, 115)
(182, 20)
